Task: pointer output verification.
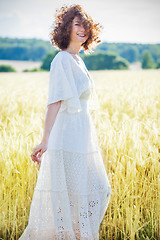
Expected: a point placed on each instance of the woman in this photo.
(72, 191)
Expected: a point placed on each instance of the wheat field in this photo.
(128, 129)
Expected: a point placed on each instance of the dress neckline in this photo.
(86, 71)
(72, 56)
(70, 53)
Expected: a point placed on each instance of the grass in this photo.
(128, 129)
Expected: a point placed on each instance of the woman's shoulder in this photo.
(61, 56)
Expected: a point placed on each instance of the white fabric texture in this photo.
(72, 192)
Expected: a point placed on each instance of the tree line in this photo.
(105, 56)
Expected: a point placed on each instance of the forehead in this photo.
(76, 19)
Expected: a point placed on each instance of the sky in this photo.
(132, 21)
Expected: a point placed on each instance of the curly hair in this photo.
(62, 27)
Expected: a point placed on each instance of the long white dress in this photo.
(72, 192)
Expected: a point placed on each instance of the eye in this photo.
(76, 24)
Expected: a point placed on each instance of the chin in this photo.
(82, 41)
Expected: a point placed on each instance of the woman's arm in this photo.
(50, 118)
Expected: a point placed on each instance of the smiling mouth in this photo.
(81, 35)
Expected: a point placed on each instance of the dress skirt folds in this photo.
(72, 192)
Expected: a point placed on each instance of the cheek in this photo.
(74, 32)
(75, 29)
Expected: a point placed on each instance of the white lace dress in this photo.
(72, 192)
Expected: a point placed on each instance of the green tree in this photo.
(101, 60)
(48, 59)
(158, 64)
(120, 63)
(147, 60)
(6, 68)
(130, 53)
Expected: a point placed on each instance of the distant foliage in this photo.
(101, 61)
(132, 52)
(158, 63)
(6, 68)
(37, 49)
(23, 49)
(147, 60)
(34, 70)
(47, 60)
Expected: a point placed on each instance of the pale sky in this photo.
(133, 21)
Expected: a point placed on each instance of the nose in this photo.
(82, 28)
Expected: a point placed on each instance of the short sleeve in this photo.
(62, 85)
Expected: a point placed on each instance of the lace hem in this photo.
(65, 216)
(36, 234)
(71, 196)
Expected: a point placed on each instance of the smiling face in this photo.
(78, 33)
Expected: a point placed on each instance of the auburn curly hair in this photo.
(62, 26)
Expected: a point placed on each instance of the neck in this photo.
(73, 49)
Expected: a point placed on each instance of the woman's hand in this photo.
(38, 151)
